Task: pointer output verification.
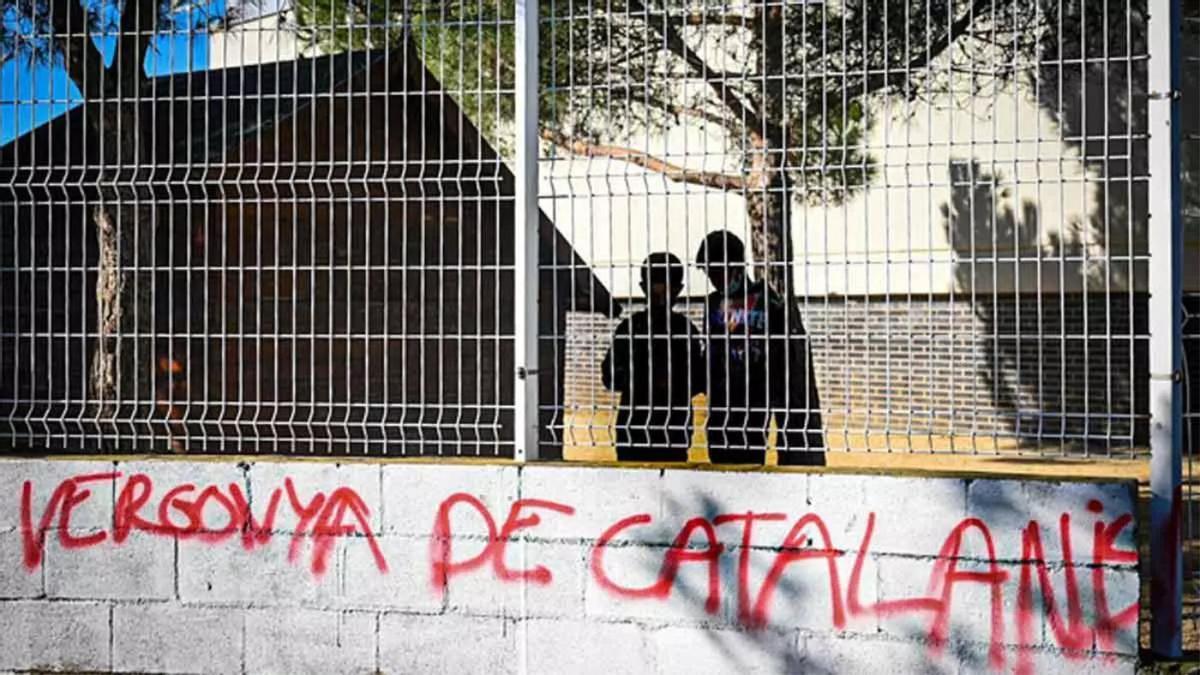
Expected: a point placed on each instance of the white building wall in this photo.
(903, 234)
(264, 39)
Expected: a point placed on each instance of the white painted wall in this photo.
(264, 39)
(185, 586)
(893, 237)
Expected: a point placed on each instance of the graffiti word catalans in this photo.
(322, 518)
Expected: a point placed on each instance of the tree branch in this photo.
(83, 61)
(893, 78)
(698, 18)
(139, 22)
(700, 69)
(673, 172)
(677, 110)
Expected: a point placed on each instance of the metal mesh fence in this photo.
(293, 228)
(1190, 43)
(768, 229)
(942, 208)
(291, 231)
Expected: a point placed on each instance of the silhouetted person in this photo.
(656, 363)
(758, 364)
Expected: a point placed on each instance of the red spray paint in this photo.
(179, 513)
(442, 565)
(324, 518)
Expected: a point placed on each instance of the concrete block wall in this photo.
(308, 566)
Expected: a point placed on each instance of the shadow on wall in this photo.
(761, 650)
(814, 645)
(804, 589)
(1060, 365)
(1096, 89)
(1045, 357)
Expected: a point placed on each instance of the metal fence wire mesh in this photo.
(1190, 66)
(768, 229)
(289, 235)
(942, 205)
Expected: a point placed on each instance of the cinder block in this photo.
(141, 567)
(170, 638)
(227, 573)
(308, 479)
(481, 592)
(561, 646)
(1059, 662)
(15, 580)
(637, 567)
(309, 641)
(189, 480)
(971, 617)
(601, 497)
(1001, 505)
(411, 643)
(708, 494)
(407, 585)
(696, 651)
(1122, 589)
(854, 654)
(1008, 507)
(806, 592)
(54, 636)
(412, 494)
(912, 515)
(45, 476)
(862, 619)
(841, 502)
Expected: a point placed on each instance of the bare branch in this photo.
(700, 69)
(672, 172)
(676, 110)
(699, 19)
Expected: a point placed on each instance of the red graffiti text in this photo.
(180, 512)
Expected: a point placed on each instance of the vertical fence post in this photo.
(1166, 334)
(525, 230)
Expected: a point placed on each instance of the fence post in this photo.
(525, 231)
(1166, 333)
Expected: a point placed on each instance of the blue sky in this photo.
(33, 93)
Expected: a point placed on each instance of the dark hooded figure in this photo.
(758, 365)
(657, 364)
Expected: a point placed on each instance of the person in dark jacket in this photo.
(657, 364)
(758, 365)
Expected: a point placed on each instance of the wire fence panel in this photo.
(881, 225)
(1190, 44)
(291, 231)
(765, 226)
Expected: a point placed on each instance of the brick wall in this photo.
(1069, 370)
(220, 566)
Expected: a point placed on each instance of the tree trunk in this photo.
(769, 212)
(121, 375)
(768, 206)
